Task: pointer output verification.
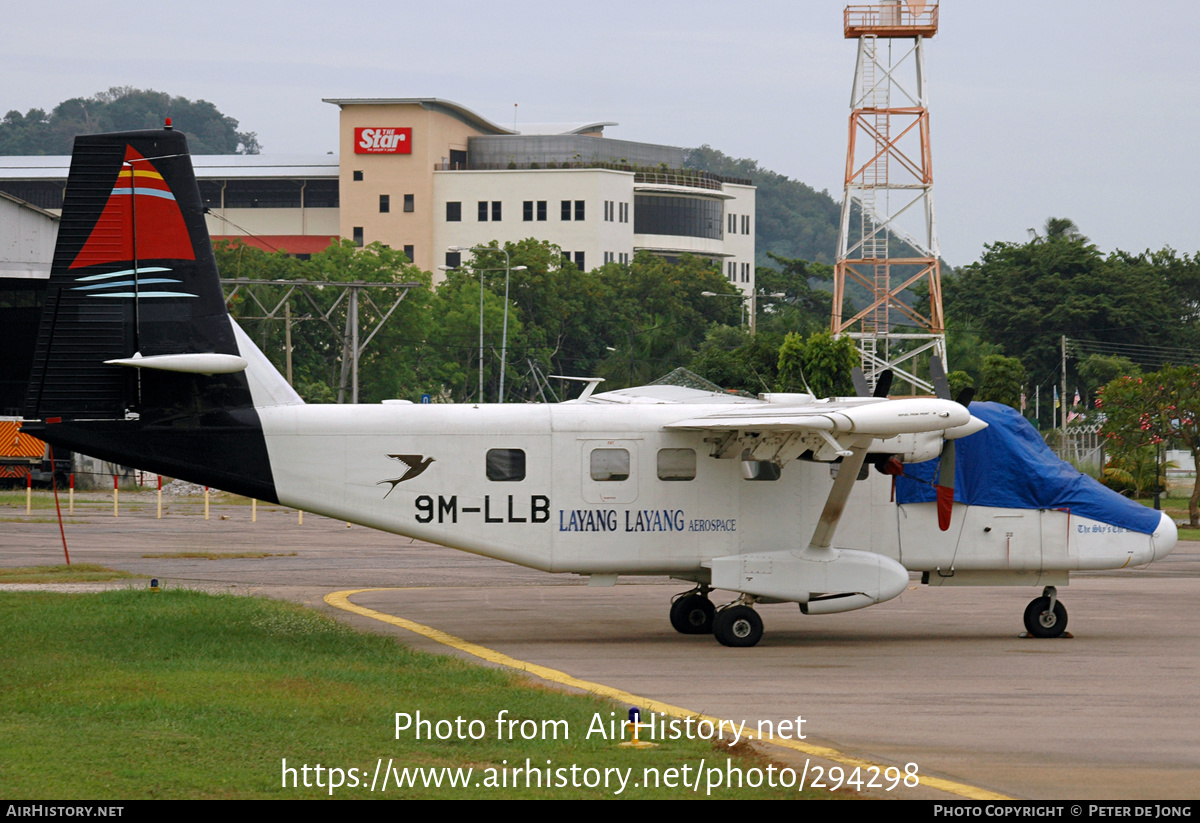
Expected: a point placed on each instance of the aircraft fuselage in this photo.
(606, 490)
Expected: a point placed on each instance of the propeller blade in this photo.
(884, 384)
(945, 481)
(945, 485)
(861, 387)
(941, 386)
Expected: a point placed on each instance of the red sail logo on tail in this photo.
(141, 206)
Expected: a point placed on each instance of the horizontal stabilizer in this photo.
(191, 363)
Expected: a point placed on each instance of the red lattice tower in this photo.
(887, 244)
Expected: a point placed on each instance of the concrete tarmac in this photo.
(938, 677)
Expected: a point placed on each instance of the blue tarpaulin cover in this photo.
(1008, 465)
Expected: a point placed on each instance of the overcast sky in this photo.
(1067, 108)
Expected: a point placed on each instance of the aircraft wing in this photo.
(879, 418)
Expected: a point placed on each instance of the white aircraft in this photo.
(139, 362)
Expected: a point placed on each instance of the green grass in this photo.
(217, 555)
(33, 519)
(131, 694)
(38, 500)
(76, 573)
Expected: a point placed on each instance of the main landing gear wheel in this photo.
(1044, 620)
(738, 626)
(693, 614)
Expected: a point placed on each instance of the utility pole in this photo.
(1063, 414)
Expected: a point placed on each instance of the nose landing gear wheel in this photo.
(738, 626)
(693, 614)
(1042, 621)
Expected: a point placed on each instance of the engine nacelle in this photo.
(822, 581)
(911, 448)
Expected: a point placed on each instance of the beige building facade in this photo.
(425, 175)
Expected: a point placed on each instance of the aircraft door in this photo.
(1021, 532)
(610, 471)
(1055, 539)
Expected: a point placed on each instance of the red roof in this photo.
(290, 243)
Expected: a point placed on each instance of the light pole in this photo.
(754, 307)
(738, 296)
(508, 270)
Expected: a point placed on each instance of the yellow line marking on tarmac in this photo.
(341, 600)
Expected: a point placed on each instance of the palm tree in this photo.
(1138, 471)
(1058, 228)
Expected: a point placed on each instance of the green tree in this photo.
(819, 363)
(560, 308)
(1002, 380)
(448, 359)
(966, 351)
(1098, 370)
(808, 298)
(1151, 409)
(1136, 471)
(26, 134)
(123, 108)
(659, 315)
(629, 323)
(959, 380)
(1025, 297)
(734, 359)
(387, 366)
(1058, 228)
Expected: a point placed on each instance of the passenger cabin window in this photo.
(506, 465)
(610, 464)
(760, 470)
(676, 464)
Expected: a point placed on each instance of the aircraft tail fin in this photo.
(137, 360)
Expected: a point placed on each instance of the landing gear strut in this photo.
(692, 613)
(737, 625)
(1045, 616)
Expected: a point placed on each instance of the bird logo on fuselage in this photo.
(413, 464)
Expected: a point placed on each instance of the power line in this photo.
(1138, 352)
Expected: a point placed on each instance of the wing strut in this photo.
(835, 504)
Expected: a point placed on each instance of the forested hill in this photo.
(794, 220)
(122, 109)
